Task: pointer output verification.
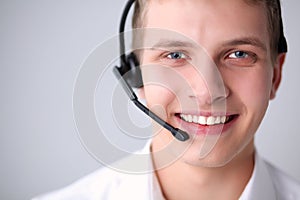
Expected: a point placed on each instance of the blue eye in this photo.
(241, 58)
(174, 58)
(238, 54)
(176, 55)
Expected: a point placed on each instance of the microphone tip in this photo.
(181, 135)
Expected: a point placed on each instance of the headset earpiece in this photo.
(134, 74)
(131, 71)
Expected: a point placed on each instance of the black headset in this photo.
(129, 72)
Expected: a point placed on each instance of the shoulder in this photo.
(93, 186)
(286, 186)
(105, 183)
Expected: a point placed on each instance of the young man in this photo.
(229, 59)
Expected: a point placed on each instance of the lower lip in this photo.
(197, 129)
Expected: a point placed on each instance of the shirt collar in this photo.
(155, 190)
(260, 185)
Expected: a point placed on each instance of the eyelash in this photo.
(175, 58)
(237, 52)
(247, 59)
(176, 53)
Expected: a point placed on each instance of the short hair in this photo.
(273, 16)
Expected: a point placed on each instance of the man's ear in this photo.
(277, 71)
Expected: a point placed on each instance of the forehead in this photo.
(206, 21)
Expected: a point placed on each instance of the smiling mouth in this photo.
(206, 120)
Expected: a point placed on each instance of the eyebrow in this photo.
(246, 41)
(166, 43)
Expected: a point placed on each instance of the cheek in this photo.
(158, 99)
(161, 85)
(253, 88)
(260, 88)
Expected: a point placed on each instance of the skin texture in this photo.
(230, 72)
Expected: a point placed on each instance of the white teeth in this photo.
(189, 118)
(202, 120)
(223, 119)
(218, 120)
(195, 119)
(184, 117)
(211, 120)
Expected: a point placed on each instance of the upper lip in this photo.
(207, 114)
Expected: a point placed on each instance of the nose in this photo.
(206, 83)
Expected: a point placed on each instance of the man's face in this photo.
(228, 76)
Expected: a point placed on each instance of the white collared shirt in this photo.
(266, 183)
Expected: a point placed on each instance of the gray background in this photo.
(42, 45)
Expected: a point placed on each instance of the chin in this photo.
(217, 158)
(207, 162)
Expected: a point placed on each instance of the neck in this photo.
(183, 181)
